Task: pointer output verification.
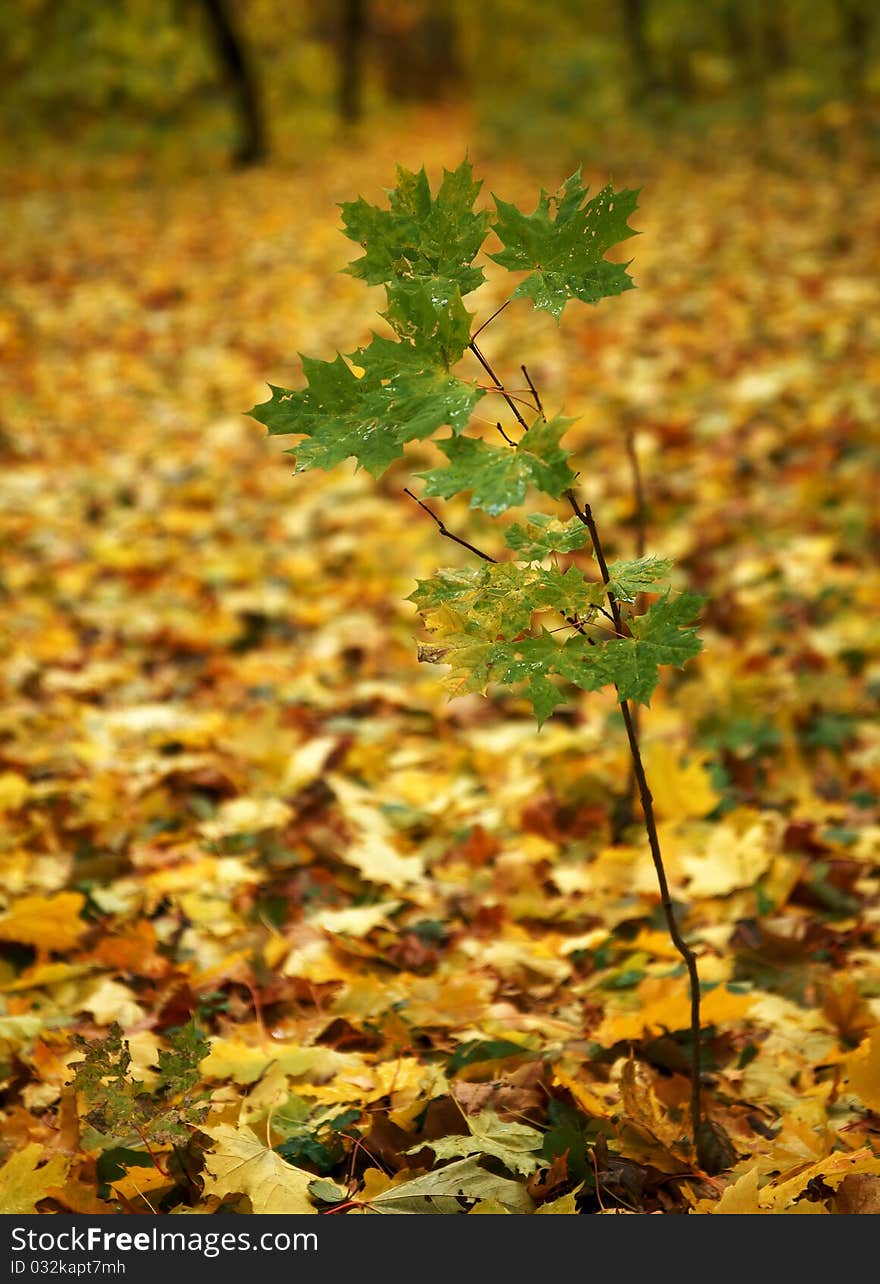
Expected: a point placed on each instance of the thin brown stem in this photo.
(154, 1158)
(489, 320)
(498, 384)
(690, 959)
(509, 440)
(534, 391)
(487, 557)
(641, 517)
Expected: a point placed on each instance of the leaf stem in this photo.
(534, 391)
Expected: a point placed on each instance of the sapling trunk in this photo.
(629, 714)
(486, 620)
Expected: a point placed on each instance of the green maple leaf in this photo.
(565, 254)
(401, 397)
(495, 597)
(120, 1105)
(499, 476)
(420, 235)
(517, 1146)
(103, 1079)
(642, 575)
(531, 661)
(477, 656)
(430, 318)
(179, 1069)
(502, 597)
(542, 535)
(658, 638)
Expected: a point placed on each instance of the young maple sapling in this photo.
(488, 621)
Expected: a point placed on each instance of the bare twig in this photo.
(496, 313)
(487, 557)
(534, 391)
(509, 440)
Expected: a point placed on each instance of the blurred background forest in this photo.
(189, 78)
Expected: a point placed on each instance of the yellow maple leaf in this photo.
(586, 1097)
(738, 851)
(564, 1204)
(46, 922)
(246, 816)
(240, 1164)
(357, 921)
(831, 1171)
(680, 792)
(664, 1004)
(863, 1070)
(244, 1063)
(141, 1182)
(23, 1184)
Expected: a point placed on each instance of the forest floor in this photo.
(421, 939)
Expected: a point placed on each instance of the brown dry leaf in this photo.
(641, 1106)
(858, 1193)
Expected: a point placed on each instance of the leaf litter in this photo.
(281, 929)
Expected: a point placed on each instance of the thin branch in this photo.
(690, 959)
(448, 533)
(534, 392)
(509, 440)
(496, 313)
(498, 384)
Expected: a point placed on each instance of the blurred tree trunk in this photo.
(643, 65)
(775, 37)
(418, 50)
(738, 38)
(240, 81)
(352, 31)
(856, 21)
